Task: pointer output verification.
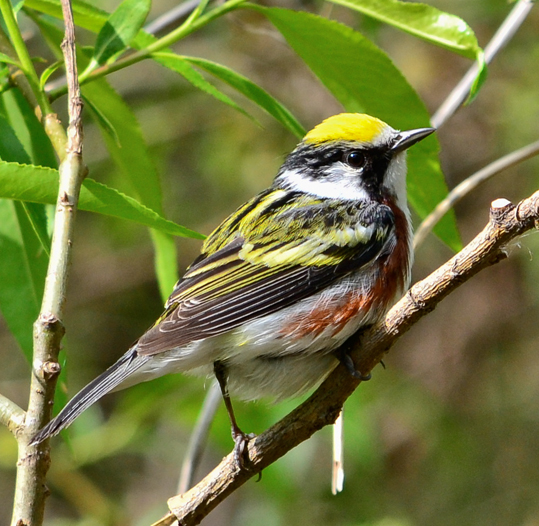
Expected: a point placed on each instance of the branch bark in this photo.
(33, 461)
(506, 223)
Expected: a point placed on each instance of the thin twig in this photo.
(507, 222)
(171, 17)
(199, 436)
(469, 184)
(11, 415)
(33, 461)
(504, 34)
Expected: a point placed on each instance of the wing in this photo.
(272, 253)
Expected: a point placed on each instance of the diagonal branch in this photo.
(11, 415)
(506, 223)
(471, 183)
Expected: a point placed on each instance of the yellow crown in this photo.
(348, 127)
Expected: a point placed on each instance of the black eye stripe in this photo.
(313, 161)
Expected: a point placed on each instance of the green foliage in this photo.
(36, 184)
(119, 30)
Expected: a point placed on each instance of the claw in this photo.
(241, 449)
(351, 368)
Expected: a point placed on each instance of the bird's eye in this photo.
(355, 159)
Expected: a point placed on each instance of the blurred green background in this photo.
(447, 434)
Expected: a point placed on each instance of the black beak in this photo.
(406, 139)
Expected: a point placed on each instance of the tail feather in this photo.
(90, 394)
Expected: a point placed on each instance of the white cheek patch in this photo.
(346, 189)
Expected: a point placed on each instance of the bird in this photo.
(286, 279)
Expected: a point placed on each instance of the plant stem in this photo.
(471, 183)
(34, 460)
(160, 44)
(35, 97)
(23, 56)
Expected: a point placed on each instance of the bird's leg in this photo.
(343, 355)
(241, 439)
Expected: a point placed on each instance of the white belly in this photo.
(263, 357)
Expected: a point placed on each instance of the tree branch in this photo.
(507, 222)
(33, 461)
(11, 415)
(471, 183)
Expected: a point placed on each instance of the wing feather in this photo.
(247, 274)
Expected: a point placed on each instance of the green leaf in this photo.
(423, 21)
(428, 23)
(23, 267)
(373, 85)
(180, 65)
(8, 60)
(11, 147)
(253, 92)
(85, 14)
(29, 130)
(24, 241)
(120, 29)
(103, 122)
(128, 149)
(48, 72)
(37, 184)
(17, 118)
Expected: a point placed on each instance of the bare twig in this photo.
(171, 17)
(33, 461)
(11, 415)
(197, 442)
(506, 223)
(504, 34)
(469, 184)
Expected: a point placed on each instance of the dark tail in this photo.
(90, 394)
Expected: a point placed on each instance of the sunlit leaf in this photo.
(40, 185)
(85, 14)
(428, 23)
(253, 92)
(423, 21)
(180, 65)
(120, 29)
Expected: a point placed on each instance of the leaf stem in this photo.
(190, 26)
(24, 57)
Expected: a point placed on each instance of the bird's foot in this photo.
(347, 361)
(241, 448)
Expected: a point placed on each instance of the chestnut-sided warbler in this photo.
(286, 279)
